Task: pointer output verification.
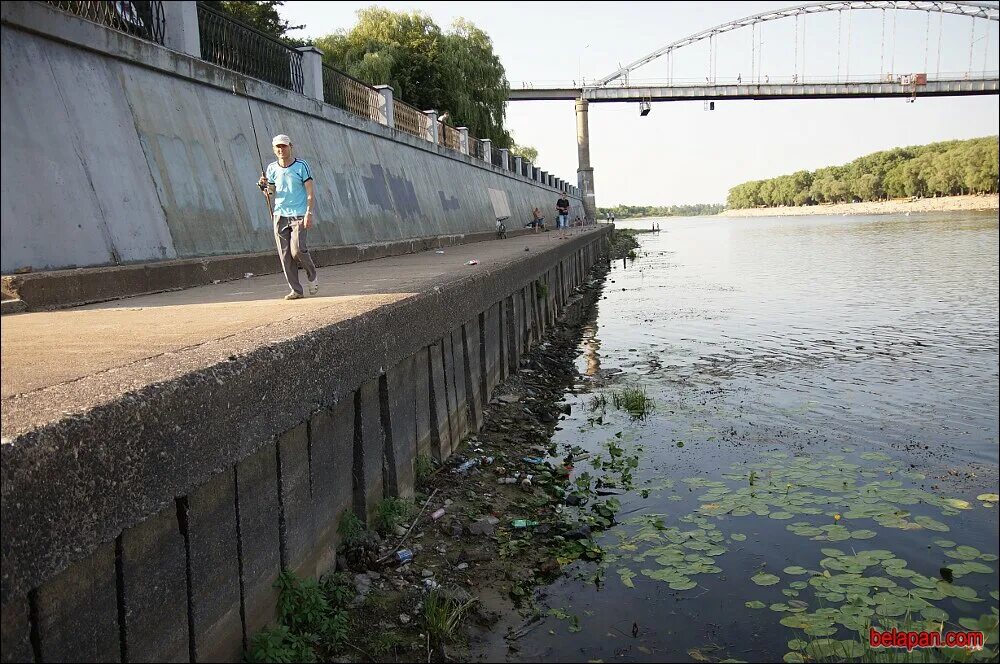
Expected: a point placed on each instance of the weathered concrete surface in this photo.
(213, 560)
(78, 612)
(331, 446)
(166, 391)
(154, 590)
(259, 539)
(185, 166)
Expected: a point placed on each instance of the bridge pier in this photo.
(584, 173)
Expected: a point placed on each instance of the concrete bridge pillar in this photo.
(584, 172)
(386, 114)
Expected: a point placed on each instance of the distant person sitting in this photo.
(537, 220)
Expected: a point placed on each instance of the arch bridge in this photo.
(620, 85)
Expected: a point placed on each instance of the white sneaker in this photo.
(293, 296)
(313, 286)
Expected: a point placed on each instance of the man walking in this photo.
(290, 181)
(562, 207)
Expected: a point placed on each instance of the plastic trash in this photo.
(507, 480)
(403, 556)
(247, 275)
(466, 466)
(473, 262)
(439, 251)
(437, 515)
(534, 460)
(523, 523)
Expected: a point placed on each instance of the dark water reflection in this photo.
(819, 338)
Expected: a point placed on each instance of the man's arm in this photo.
(307, 220)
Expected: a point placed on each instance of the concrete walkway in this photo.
(47, 357)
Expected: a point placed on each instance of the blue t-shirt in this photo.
(289, 187)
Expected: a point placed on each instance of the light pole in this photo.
(579, 63)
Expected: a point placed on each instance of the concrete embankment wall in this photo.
(118, 150)
(152, 528)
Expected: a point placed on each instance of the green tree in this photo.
(262, 14)
(940, 169)
(526, 152)
(427, 68)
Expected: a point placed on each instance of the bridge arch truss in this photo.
(975, 10)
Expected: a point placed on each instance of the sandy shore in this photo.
(899, 206)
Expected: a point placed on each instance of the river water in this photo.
(825, 394)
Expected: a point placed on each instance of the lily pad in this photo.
(684, 583)
(795, 569)
(863, 534)
(765, 579)
(931, 524)
(754, 604)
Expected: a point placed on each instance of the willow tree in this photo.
(455, 71)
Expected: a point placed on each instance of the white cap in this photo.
(281, 139)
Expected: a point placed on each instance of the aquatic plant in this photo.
(633, 400)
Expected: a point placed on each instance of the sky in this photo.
(682, 153)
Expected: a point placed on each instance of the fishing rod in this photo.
(256, 142)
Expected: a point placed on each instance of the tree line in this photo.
(948, 168)
(453, 71)
(627, 211)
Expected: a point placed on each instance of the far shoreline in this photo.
(897, 206)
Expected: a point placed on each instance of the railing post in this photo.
(505, 159)
(432, 126)
(180, 27)
(463, 140)
(386, 113)
(517, 165)
(544, 176)
(487, 150)
(312, 71)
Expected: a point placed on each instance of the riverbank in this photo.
(898, 206)
(484, 529)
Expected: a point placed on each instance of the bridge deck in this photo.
(761, 91)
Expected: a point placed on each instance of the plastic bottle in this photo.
(403, 556)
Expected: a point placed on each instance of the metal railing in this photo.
(409, 119)
(495, 157)
(139, 19)
(350, 94)
(475, 147)
(235, 45)
(451, 137)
